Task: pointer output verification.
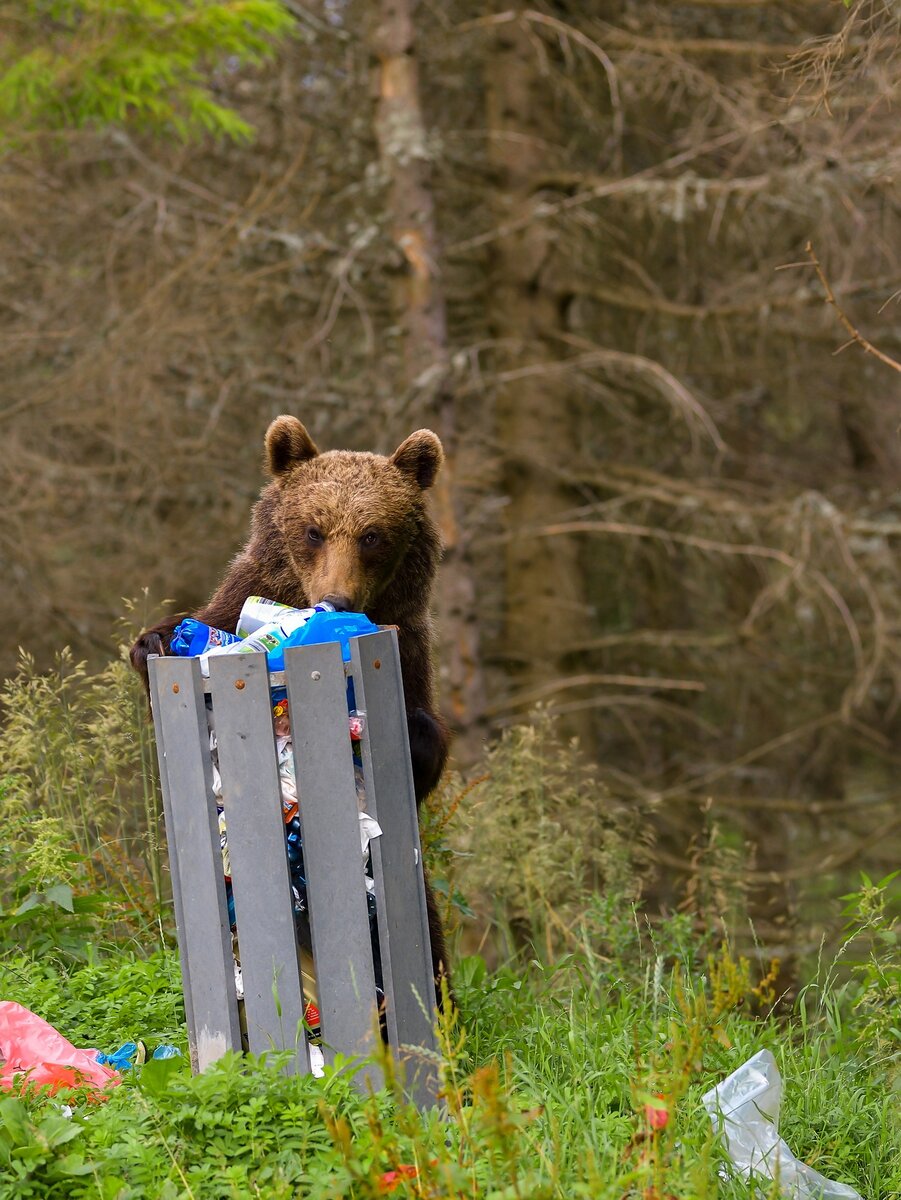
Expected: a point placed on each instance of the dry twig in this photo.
(856, 335)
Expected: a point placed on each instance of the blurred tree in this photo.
(679, 504)
(419, 304)
(528, 298)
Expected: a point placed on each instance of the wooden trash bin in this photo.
(239, 691)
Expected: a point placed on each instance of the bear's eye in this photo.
(314, 536)
(370, 539)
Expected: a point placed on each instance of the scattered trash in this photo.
(33, 1052)
(745, 1109)
(391, 1180)
(134, 1054)
(128, 1055)
(656, 1113)
(165, 1051)
(317, 1061)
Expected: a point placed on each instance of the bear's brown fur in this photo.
(352, 528)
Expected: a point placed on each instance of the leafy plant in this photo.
(29, 1150)
(79, 802)
(874, 926)
(558, 1081)
(104, 1001)
(147, 63)
(542, 837)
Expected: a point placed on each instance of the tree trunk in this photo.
(544, 600)
(419, 302)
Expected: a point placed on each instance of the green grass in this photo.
(545, 1091)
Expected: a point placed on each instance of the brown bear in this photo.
(354, 529)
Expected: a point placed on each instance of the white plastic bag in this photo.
(745, 1109)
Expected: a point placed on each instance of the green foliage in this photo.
(29, 1150)
(79, 805)
(70, 63)
(50, 919)
(545, 1095)
(542, 837)
(875, 926)
(123, 996)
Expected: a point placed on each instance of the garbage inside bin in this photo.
(744, 1108)
(369, 829)
(338, 627)
(300, 626)
(258, 611)
(191, 638)
(266, 625)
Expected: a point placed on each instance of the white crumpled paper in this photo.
(744, 1108)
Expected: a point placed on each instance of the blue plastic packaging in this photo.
(191, 638)
(132, 1054)
(166, 1051)
(319, 625)
(333, 627)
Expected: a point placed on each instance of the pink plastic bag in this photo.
(33, 1052)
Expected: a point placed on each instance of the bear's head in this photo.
(354, 526)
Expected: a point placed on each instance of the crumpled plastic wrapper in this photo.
(33, 1052)
(744, 1109)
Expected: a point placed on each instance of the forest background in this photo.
(573, 239)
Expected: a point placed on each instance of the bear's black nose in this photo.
(340, 603)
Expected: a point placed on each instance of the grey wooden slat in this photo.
(397, 859)
(276, 679)
(273, 992)
(172, 855)
(339, 919)
(196, 863)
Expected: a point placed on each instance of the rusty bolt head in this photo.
(377, 664)
(175, 688)
(239, 684)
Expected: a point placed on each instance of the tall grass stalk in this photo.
(80, 797)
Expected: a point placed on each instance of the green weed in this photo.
(539, 836)
(81, 858)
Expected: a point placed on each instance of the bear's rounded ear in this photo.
(287, 444)
(420, 457)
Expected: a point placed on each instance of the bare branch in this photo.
(533, 695)
(856, 335)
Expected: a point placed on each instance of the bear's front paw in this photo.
(153, 641)
(429, 742)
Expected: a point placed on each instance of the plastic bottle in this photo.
(258, 611)
(191, 638)
(274, 637)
